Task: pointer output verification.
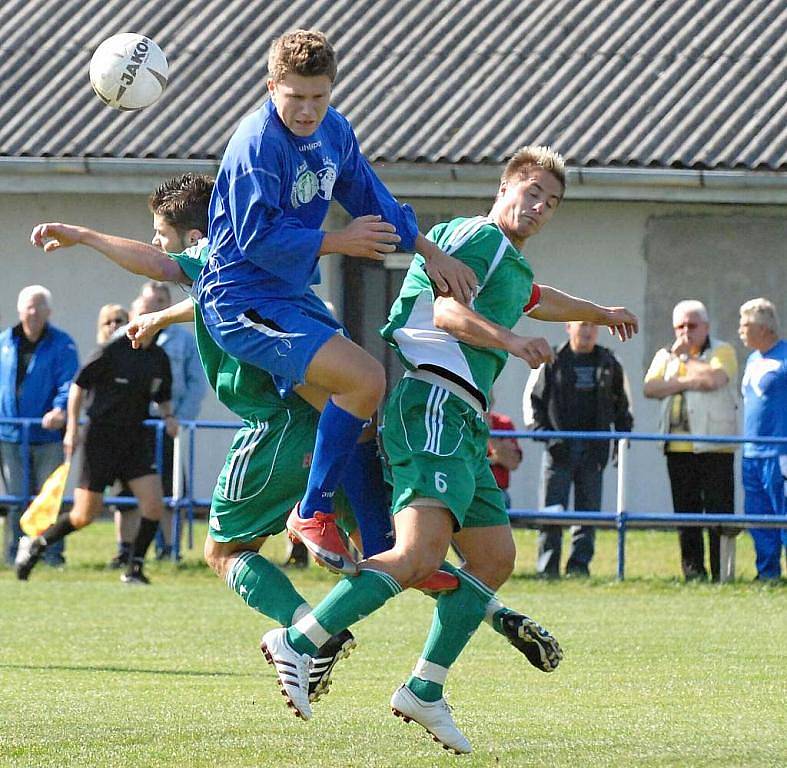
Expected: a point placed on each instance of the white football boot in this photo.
(292, 669)
(435, 716)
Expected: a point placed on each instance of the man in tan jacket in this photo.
(695, 378)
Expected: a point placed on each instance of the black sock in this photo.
(124, 549)
(146, 534)
(59, 529)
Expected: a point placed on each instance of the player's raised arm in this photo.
(557, 306)
(147, 325)
(472, 328)
(132, 255)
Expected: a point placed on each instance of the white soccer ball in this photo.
(128, 71)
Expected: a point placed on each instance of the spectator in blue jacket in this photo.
(37, 364)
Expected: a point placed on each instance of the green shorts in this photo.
(435, 445)
(265, 475)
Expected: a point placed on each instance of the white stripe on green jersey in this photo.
(505, 282)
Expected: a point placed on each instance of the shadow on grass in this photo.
(119, 670)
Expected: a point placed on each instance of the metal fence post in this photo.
(190, 481)
(621, 526)
(623, 447)
(177, 495)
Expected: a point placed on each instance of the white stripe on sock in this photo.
(300, 612)
(309, 627)
(237, 565)
(394, 585)
(477, 583)
(432, 673)
(492, 607)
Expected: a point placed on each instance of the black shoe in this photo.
(134, 575)
(577, 571)
(532, 640)
(120, 560)
(28, 554)
(297, 555)
(335, 649)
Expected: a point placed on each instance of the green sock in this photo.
(265, 588)
(353, 598)
(456, 617)
(495, 610)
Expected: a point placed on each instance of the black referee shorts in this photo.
(113, 452)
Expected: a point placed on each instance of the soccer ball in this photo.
(128, 71)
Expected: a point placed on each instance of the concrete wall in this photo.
(644, 255)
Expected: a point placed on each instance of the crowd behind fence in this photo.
(622, 519)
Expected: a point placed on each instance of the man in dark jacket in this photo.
(37, 363)
(583, 390)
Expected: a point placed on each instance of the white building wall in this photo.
(595, 249)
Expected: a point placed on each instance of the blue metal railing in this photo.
(622, 519)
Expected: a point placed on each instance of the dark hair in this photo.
(183, 201)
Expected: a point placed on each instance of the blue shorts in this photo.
(281, 336)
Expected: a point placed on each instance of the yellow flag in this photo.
(44, 508)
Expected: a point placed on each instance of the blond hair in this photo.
(535, 157)
(762, 312)
(303, 52)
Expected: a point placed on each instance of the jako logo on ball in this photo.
(128, 71)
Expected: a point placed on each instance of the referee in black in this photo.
(119, 384)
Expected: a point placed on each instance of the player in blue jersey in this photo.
(283, 166)
(764, 466)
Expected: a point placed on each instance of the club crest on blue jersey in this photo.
(309, 184)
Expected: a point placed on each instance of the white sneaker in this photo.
(435, 716)
(292, 669)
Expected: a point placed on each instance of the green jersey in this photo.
(247, 391)
(505, 281)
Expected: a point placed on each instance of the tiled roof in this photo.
(636, 83)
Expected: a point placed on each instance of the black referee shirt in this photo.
(124, 381)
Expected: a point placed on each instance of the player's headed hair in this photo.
(762, 312)
(304, 52)
(535, 156)
(182, 201)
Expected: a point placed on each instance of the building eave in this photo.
(411, 180)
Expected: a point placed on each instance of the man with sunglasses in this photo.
(695, 379)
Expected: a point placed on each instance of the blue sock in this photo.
(337, 433)
(363, 483)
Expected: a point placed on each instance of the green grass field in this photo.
(656, 672)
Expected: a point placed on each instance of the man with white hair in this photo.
(37, 363)
(764, 465)
(695, 380)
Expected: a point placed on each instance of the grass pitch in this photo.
(656, 673)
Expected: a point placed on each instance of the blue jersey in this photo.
(271, 197)
(764, 389)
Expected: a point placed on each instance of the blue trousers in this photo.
(585, 475)
(763, 485)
